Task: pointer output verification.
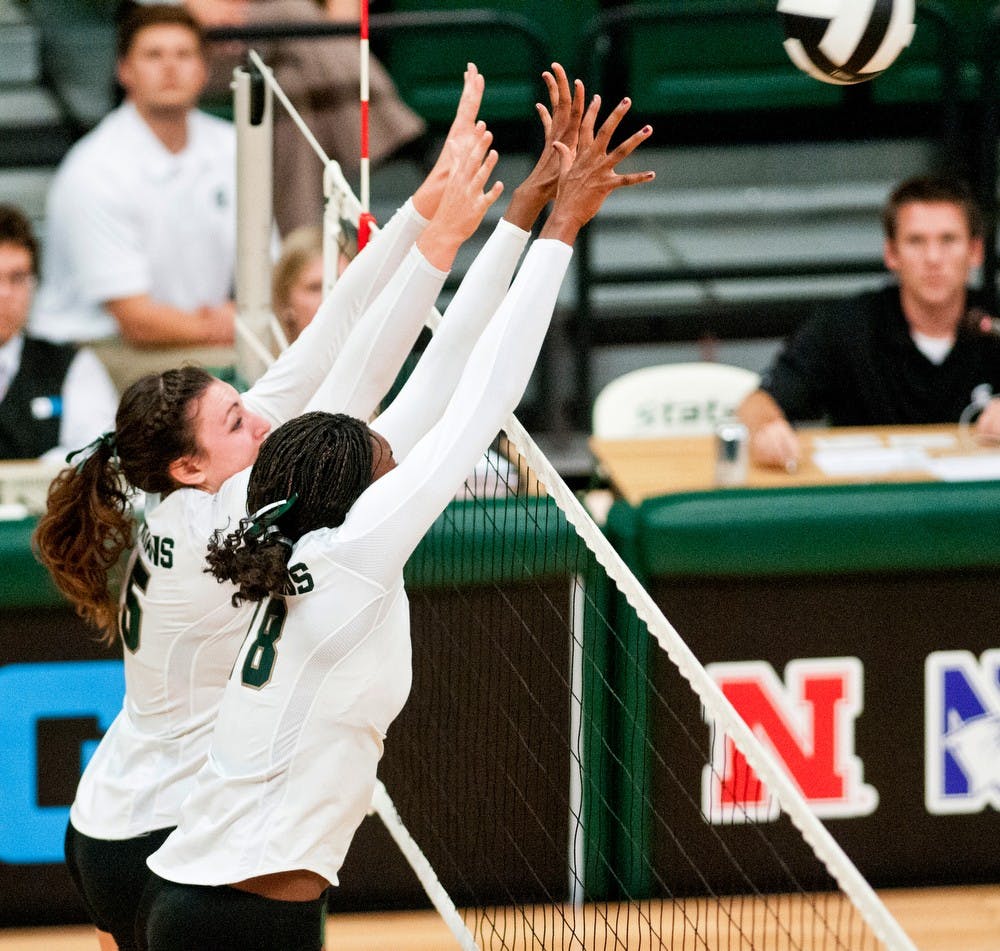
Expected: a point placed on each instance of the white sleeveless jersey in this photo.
(180, 629)
(322, 674)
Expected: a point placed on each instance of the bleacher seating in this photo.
(33, 130)
(509, 46)
(78, 54)
(715, 74)
(769, 181)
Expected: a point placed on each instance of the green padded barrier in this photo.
(739, 533)
(485, 541)
(470, 543)
(24, 583)
(813, 530)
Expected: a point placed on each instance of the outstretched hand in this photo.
(588, 177)
(463, 130)
(457, 143)
(464, 201)
(562, 124)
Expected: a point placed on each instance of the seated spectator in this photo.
(297, 281)
(53, 398)
(141, 221)
(910, 353)
(322, 79)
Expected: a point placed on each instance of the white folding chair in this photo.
(671, 399)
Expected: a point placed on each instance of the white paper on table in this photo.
(924, 440)
(875, 461)
(982, 466)
(847, 441)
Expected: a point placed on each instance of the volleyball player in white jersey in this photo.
(187, 436)
(325, 667)
(191, 438)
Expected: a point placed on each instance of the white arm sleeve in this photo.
(426, 393)
(368, 364)
(282, 392)
(392, 515)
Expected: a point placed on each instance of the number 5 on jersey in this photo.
(131, 614)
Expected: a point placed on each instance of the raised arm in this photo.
(399, 507)
(349, 313)
(367, 367)
(562, 124)
(426, 393)
(283, 391)
(461, 137)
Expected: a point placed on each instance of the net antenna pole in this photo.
(366, 220)
(383, 807)
(576, 846)
(253, 115)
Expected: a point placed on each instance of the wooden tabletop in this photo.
(644, 468)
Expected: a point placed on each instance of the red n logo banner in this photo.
(807, 722)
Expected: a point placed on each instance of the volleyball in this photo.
(846, 41)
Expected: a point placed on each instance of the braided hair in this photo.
(88, 520)
(321, 460)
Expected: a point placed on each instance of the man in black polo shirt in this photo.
(910, 353)
(52, 397)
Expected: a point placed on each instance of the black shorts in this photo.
(111, 876)
(221, 918)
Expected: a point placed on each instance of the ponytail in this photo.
(86, 528)
(88, 521)
(254, 558)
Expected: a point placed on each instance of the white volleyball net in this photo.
(566, 774)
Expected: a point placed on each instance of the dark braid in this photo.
(325, 460)
(87, 523)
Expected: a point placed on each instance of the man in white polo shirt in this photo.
(141, 221)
